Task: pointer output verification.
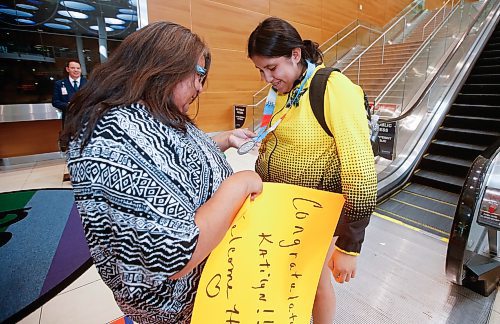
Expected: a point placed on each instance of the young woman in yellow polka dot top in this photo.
(300, 152)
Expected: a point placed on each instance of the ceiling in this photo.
(83, 17)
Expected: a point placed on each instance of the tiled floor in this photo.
(88, 300)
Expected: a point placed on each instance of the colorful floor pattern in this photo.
(42, 249)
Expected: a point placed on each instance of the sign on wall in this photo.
(240, 114)
(387, 136)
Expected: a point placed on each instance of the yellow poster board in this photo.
(267, 267)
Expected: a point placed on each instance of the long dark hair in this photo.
(275, 37)
(145, 67)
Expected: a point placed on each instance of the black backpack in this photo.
(317, 97)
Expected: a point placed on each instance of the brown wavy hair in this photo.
(145, 67)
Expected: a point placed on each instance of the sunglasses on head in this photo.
(202, 73)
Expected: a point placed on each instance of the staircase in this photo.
(471, 125)
(380, 63)
(375, 74)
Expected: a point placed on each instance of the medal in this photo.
(246, 147)
(293, 100)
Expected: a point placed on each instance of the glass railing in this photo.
(439, 16)
(353, 42)
(439, 65)
(398, 33)
(423, 65)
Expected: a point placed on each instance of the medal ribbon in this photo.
(293, 99)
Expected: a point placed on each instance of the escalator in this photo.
(428, 201)
(473, 258)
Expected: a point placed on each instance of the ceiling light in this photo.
(17, 13)
(77, 5)
(57, 26)
(127, 17)
(127, 11)
(25, 21)
(63, 20)
(72, 14)
(97, 28)
(25, 6)
(114, 21)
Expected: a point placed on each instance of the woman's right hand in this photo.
(215, 216)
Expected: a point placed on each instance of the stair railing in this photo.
(422, 65)
(441, 11)
(398, 27)
(357, 37)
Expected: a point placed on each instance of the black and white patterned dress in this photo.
(138, 184)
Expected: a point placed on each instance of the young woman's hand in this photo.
(343, 266)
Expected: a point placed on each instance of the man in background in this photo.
(65, 89)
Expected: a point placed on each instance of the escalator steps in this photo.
(429, 209)
(439, 180)
(442, 195)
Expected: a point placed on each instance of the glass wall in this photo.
(37, 38)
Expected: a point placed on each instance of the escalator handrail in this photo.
(405, 67)
(438, 72)
(402, 171)
(465, 213)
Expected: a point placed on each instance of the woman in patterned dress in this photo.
(154, 192)
(300, 152)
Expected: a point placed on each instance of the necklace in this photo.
(293, 100)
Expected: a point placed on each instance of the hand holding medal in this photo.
(269, 110)
(246, 147)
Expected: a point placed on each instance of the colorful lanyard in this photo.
(293, 99)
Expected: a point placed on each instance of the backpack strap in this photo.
(317, 96)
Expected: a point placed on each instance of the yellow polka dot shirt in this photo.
(300, 152)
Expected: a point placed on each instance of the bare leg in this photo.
(324, 302)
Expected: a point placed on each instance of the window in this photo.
(37, 38)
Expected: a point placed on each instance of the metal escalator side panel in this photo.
(462, 222)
